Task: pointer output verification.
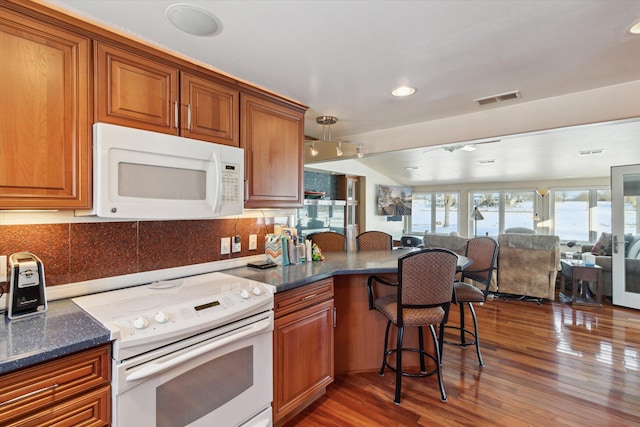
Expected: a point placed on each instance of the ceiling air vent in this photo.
(498, 98)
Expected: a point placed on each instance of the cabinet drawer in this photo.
(302, 297)
(92, 409)
(30, 389)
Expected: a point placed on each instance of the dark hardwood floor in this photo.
(545, 365)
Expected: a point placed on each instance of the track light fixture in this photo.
(322, 149)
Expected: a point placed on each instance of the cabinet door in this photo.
(45, 152)
(32, 390)
(303, 356)
(135, 91)
(209, 111)
(272, 136)
(92, 409)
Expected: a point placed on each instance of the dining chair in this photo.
(473, 286)
(374, 241)
(422, 298)
(329, 241)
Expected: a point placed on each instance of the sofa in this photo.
(602, 250)
(528, 265)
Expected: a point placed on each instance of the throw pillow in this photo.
(603, 245)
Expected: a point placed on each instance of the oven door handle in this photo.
(156, 367)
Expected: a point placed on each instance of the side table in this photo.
(580, 275)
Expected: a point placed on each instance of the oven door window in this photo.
(179, 401)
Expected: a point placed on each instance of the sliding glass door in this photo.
(625, 212)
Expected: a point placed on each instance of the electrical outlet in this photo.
(3, 268)
(237, 244)
(253, 242)
(225, 245)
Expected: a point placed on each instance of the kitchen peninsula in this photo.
(354, 335)
(65, 315)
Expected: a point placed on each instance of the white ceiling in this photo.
(343, 58)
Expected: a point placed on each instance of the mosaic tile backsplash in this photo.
(314, 181)
(83, 251)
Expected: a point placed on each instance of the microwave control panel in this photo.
(231, 183)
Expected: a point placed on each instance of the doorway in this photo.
(625, 213)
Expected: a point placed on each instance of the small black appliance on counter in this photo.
(27, 295)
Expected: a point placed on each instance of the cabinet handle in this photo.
(175, 114)
(308, 297)
(335, 317)
(24, 396)
(189, 117)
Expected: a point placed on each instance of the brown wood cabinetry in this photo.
(135, 91)
(72, 390)
(303, 347)
(211, 111)
(45, 155)
(139, 92)
(272, 136)
(52, 92)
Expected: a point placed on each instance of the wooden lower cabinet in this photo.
(303, 347)
(73, 390)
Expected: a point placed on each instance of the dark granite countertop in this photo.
(335, 263)
(63, 329)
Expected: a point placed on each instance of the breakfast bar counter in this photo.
(335, 264)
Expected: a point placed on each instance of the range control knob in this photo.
(161, 317)
(256, 290)
(244, 294)
(140, 322)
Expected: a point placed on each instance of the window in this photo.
(502, 210)
(581, 215)
(434, 213)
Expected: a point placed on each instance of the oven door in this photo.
(225, 380)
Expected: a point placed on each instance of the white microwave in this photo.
(140, 174)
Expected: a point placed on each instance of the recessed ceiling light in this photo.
(194, 20)
(635, 29)
(403, 91)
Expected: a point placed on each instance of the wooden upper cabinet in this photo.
(209, 111)
(138, 92)
(45, 150)
(272, 136)
(135, 91)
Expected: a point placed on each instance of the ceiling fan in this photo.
(471, 146)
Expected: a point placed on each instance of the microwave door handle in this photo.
(156, 367)
(217, 203)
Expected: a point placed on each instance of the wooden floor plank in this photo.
(549, 364)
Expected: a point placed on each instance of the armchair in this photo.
(528, 264)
